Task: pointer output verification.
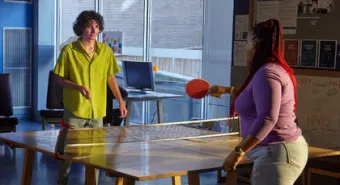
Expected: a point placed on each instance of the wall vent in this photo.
(17, 61)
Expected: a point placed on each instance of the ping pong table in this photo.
(137, 153)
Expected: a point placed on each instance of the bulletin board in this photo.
(311, 48)
(311, 36)
(114, 39)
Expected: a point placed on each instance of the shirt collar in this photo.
(77, 46)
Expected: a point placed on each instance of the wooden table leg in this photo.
(90, 176)
(128, 181)
(119, 181)
(176, 180)
(193, 179)
(28, 167)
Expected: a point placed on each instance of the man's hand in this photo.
(115, 90)
(123, 110)
(85, 92)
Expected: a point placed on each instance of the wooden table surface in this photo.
(141, 153)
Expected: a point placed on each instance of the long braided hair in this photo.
(268, 49)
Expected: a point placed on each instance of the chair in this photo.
(112, 115)
(54, 102)
(7, 123)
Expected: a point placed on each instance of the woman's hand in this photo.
(217, 91)
(231, 161)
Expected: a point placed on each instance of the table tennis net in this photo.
(149, 133)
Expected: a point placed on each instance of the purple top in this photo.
(266, 106)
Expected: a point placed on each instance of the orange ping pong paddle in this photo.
(197, 88)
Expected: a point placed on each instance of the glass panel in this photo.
(176, 48)
(217, 109)
(127, 16)
(69, 10)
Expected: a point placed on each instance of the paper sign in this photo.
(240, 53)
(283, 10)
(114, 39)
(241, 27)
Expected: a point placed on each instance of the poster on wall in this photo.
(314, 8)
(114, 39)
(241, 27)
(240, 53)
(337, 63)
(327, 54)
(291, 52)
(283, 10)
(308, 53)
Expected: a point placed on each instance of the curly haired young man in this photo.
(85, 67)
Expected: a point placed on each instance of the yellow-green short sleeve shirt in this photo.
(75, 65)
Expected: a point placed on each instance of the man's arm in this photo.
(115, 89)
(71, 85)
(66, 83)
(61, 71)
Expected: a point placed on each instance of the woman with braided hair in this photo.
(266, 104)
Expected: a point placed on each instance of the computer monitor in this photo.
(138, 75)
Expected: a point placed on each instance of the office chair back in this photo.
(54, 93)
(6, 106)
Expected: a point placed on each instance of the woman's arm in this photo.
(217, 91)
(231, 90)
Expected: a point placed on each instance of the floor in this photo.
(46, 168)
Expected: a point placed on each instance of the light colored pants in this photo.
(280, 163)
(75, 122)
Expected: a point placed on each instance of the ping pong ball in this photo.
(155, 68)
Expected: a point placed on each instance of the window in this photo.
(69, 10)
(176, 48)
(127, 16)
(176, 36)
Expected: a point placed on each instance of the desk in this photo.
(136, 97)
(137, 153)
